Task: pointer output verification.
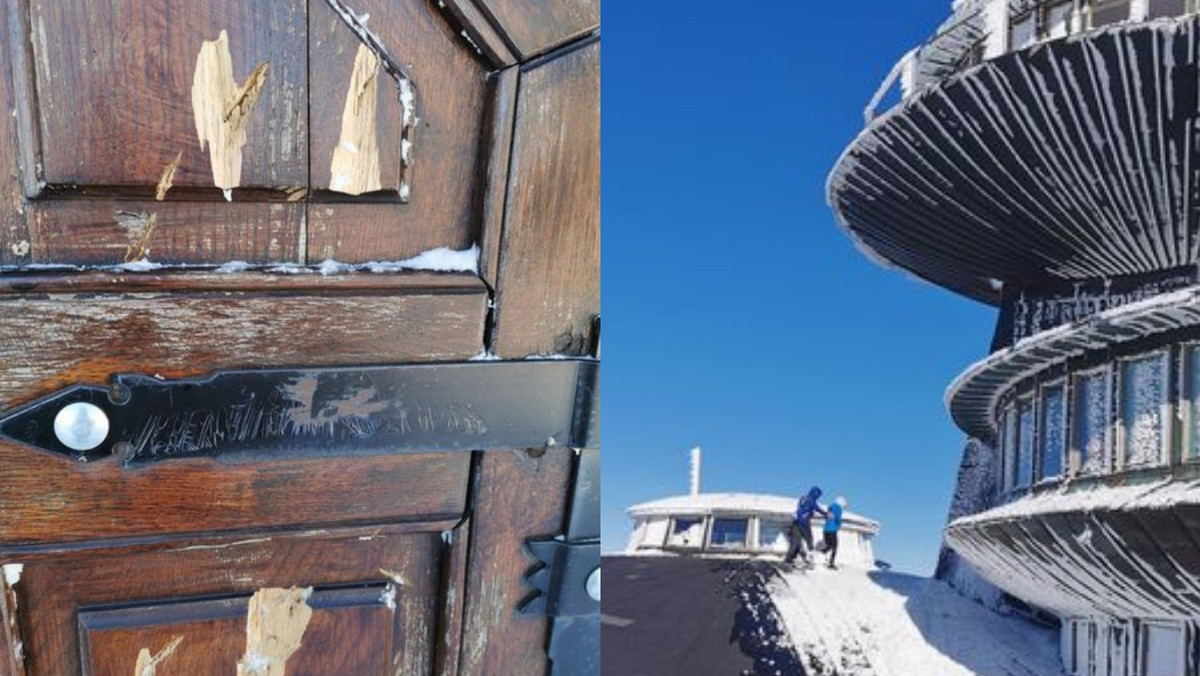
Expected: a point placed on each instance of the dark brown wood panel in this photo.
(350, 632)
(14, 235)
(517, 497)
(81, 232)
(46, 499)
(452, 90)
(405, 565)
(548, 290)
(536, 26)
(499, 139)
(455, 579)
(114, 89)
(58, 339)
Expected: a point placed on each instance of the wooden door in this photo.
(199, 186)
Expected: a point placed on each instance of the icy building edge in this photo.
(1044, 158)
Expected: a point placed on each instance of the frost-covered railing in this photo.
(978, 30)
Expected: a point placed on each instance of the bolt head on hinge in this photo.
(81, 426)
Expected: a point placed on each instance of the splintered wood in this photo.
(147, 665)
(221, 108)
(167, 179)
(275, 623)
(140, 226)
(355, 167)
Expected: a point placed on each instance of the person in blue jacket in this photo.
(833, 523)
(801, 530)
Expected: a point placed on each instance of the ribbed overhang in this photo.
(1076, 158)
(974, 396)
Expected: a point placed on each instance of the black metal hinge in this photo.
(415, 408)
(566, 579)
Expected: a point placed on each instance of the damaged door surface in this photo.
(275, 187)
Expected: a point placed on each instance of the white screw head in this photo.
(593, 584)
(81, 426)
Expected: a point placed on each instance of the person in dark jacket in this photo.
(833, 523)
(801, 531)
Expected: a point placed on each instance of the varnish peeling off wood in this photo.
(140, 226)
(221, 108)
(167, 179)
(355, 167)
(275, 625)
(147, 665)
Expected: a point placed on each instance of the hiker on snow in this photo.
(833, 523)
(801, 531)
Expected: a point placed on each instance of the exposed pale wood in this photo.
(167, 179)
(451, 99)
(537, 26)
(276, 620)
(335, 50)
(114, 86)
(517, 497)
(548, 292)
(60, 339)
(355, 166)
(52, 590)
(499, 149)
(12, 647)
(222, 108)
(192, 232)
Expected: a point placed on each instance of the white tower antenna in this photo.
(695, 471)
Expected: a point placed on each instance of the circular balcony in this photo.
(1072, 158)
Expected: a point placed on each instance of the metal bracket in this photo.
(417, 408)
(562, 580)
(567, 582)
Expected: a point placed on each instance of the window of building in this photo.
(686, 532)
(1008, 445)
(1056, 20)
(1022, 30)
(1143, 409)
(1025, 445)
(1162, 649)
(729, 532)
(1191, 391)
(656, 532)
(1053, 432)
(1105, 12)
(1161, 8)
(773, 534)
(1093, 412)
(1081, 648)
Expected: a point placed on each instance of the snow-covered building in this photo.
(737, 524)
(1044, 157)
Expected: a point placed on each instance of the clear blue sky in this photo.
(739, 317)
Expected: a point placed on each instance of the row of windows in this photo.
(1056, 19)
(1112, 418)
(735, 533)
(1138, 648)
(726, 533)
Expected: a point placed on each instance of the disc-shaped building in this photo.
(1044, 158)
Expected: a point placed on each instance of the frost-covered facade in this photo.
(739, 524)
(1044, 157)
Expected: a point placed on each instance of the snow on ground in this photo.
(854, 623)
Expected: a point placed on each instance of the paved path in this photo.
(667, 616)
